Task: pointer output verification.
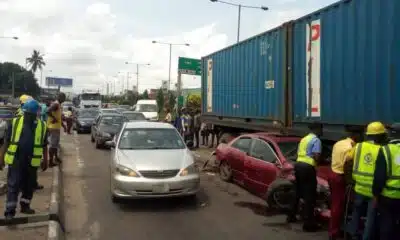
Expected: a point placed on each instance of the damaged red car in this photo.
(262, 163)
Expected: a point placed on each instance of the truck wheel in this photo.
(280, 194)
(226, 138)
(225, 171)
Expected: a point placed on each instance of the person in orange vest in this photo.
(308, 157)
(54, 124)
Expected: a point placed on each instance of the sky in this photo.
(90, 41)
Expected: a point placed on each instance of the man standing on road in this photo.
(54, 124)
(308, 157)
(364, 157)
(23, 99)
(337, 181)
(23, 152)
(197, 126)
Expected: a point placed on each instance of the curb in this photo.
(56, 224)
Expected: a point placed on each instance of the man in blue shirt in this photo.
(308, 157)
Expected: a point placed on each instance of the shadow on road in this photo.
(259, 209)
(166, 204)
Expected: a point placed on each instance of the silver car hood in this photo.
(154, 159)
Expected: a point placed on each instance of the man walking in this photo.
(54, 124)
(23, 151)
(197, 126)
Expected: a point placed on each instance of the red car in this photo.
(263, 164)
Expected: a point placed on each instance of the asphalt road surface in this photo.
(221, 210)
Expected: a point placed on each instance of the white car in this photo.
(149, 109)
(151, 160)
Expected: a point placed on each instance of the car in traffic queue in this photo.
(151, 160)
(126, 107)
(134, 116)
(149, 108)
(105, 127)
(262, 163)
(109, 111)
(84, 120)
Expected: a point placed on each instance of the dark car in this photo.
(105, 127)
(84, 120)
(134, 116)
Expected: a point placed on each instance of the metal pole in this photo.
(137, 77)
(238, 27)
(13, 85)
(169, 73)
(41, 77)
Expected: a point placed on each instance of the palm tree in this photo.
(36, 62)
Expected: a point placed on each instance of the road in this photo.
(221, 211)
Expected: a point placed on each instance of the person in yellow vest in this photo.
(54, 124)
(386, 190)
(24, 151)
(23, 99)
(364, 157)
(308, 157)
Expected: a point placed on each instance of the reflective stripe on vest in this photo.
(17, 125)
(364, 167)
(19, 113)
(302, 150)
(392, 155)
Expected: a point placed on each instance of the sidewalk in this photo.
(202, 155)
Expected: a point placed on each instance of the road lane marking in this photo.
(79, 160)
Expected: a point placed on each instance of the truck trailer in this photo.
(339, 65)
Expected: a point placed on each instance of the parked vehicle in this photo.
(105, 127)
(134, 116)
(151, 160)
(149, 108)
(263, 164)
(283, 79)
(6, 114)
(84, 120)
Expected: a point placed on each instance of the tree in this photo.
(36, 61)
(160, 100)
(144, 95)
(171, 100)
(24, 81)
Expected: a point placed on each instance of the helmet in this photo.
(31, 106)
(375, 128)
(24, 98)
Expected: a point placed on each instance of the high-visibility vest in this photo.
(364, 163)
(19, 112)
(392, 155)
(57, 114)
(302, 150)
(17, 125)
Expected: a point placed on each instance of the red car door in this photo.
(261, 167)
(237, 155)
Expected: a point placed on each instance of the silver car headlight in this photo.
(126, 171)
(191, 169)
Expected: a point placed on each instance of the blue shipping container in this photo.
(355, 65)
(246, 80)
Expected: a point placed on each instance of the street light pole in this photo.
(137, 72)
(240, 6)
(170, 57)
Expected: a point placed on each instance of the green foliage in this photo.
(193, 102)
(171, 100)
(36, 61)
(144, 95)
(160, 99)
(24, 80)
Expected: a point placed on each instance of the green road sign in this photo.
(180, 101)
(189, 66)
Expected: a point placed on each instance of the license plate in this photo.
(160, 188)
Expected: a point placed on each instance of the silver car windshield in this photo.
(150, 139)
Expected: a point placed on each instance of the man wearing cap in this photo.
(24, 151)
(364, 157)
(22, 100)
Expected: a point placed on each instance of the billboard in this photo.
(57, 81)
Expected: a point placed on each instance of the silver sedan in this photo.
(151, 160)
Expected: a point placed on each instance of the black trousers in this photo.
(197, 136)
(389, 218)
(306, 189)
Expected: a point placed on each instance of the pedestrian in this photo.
(395, 133)
(308, 157)
(54, 124)
(364, 157)
(168, 116)
(178, 122)
(23, 151)
(185, 124)
(386, 188)
(196, 127)
(69, 119)
(337, 181)
(215, 135)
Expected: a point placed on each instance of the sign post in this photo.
(59, 82)
(189, 66)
